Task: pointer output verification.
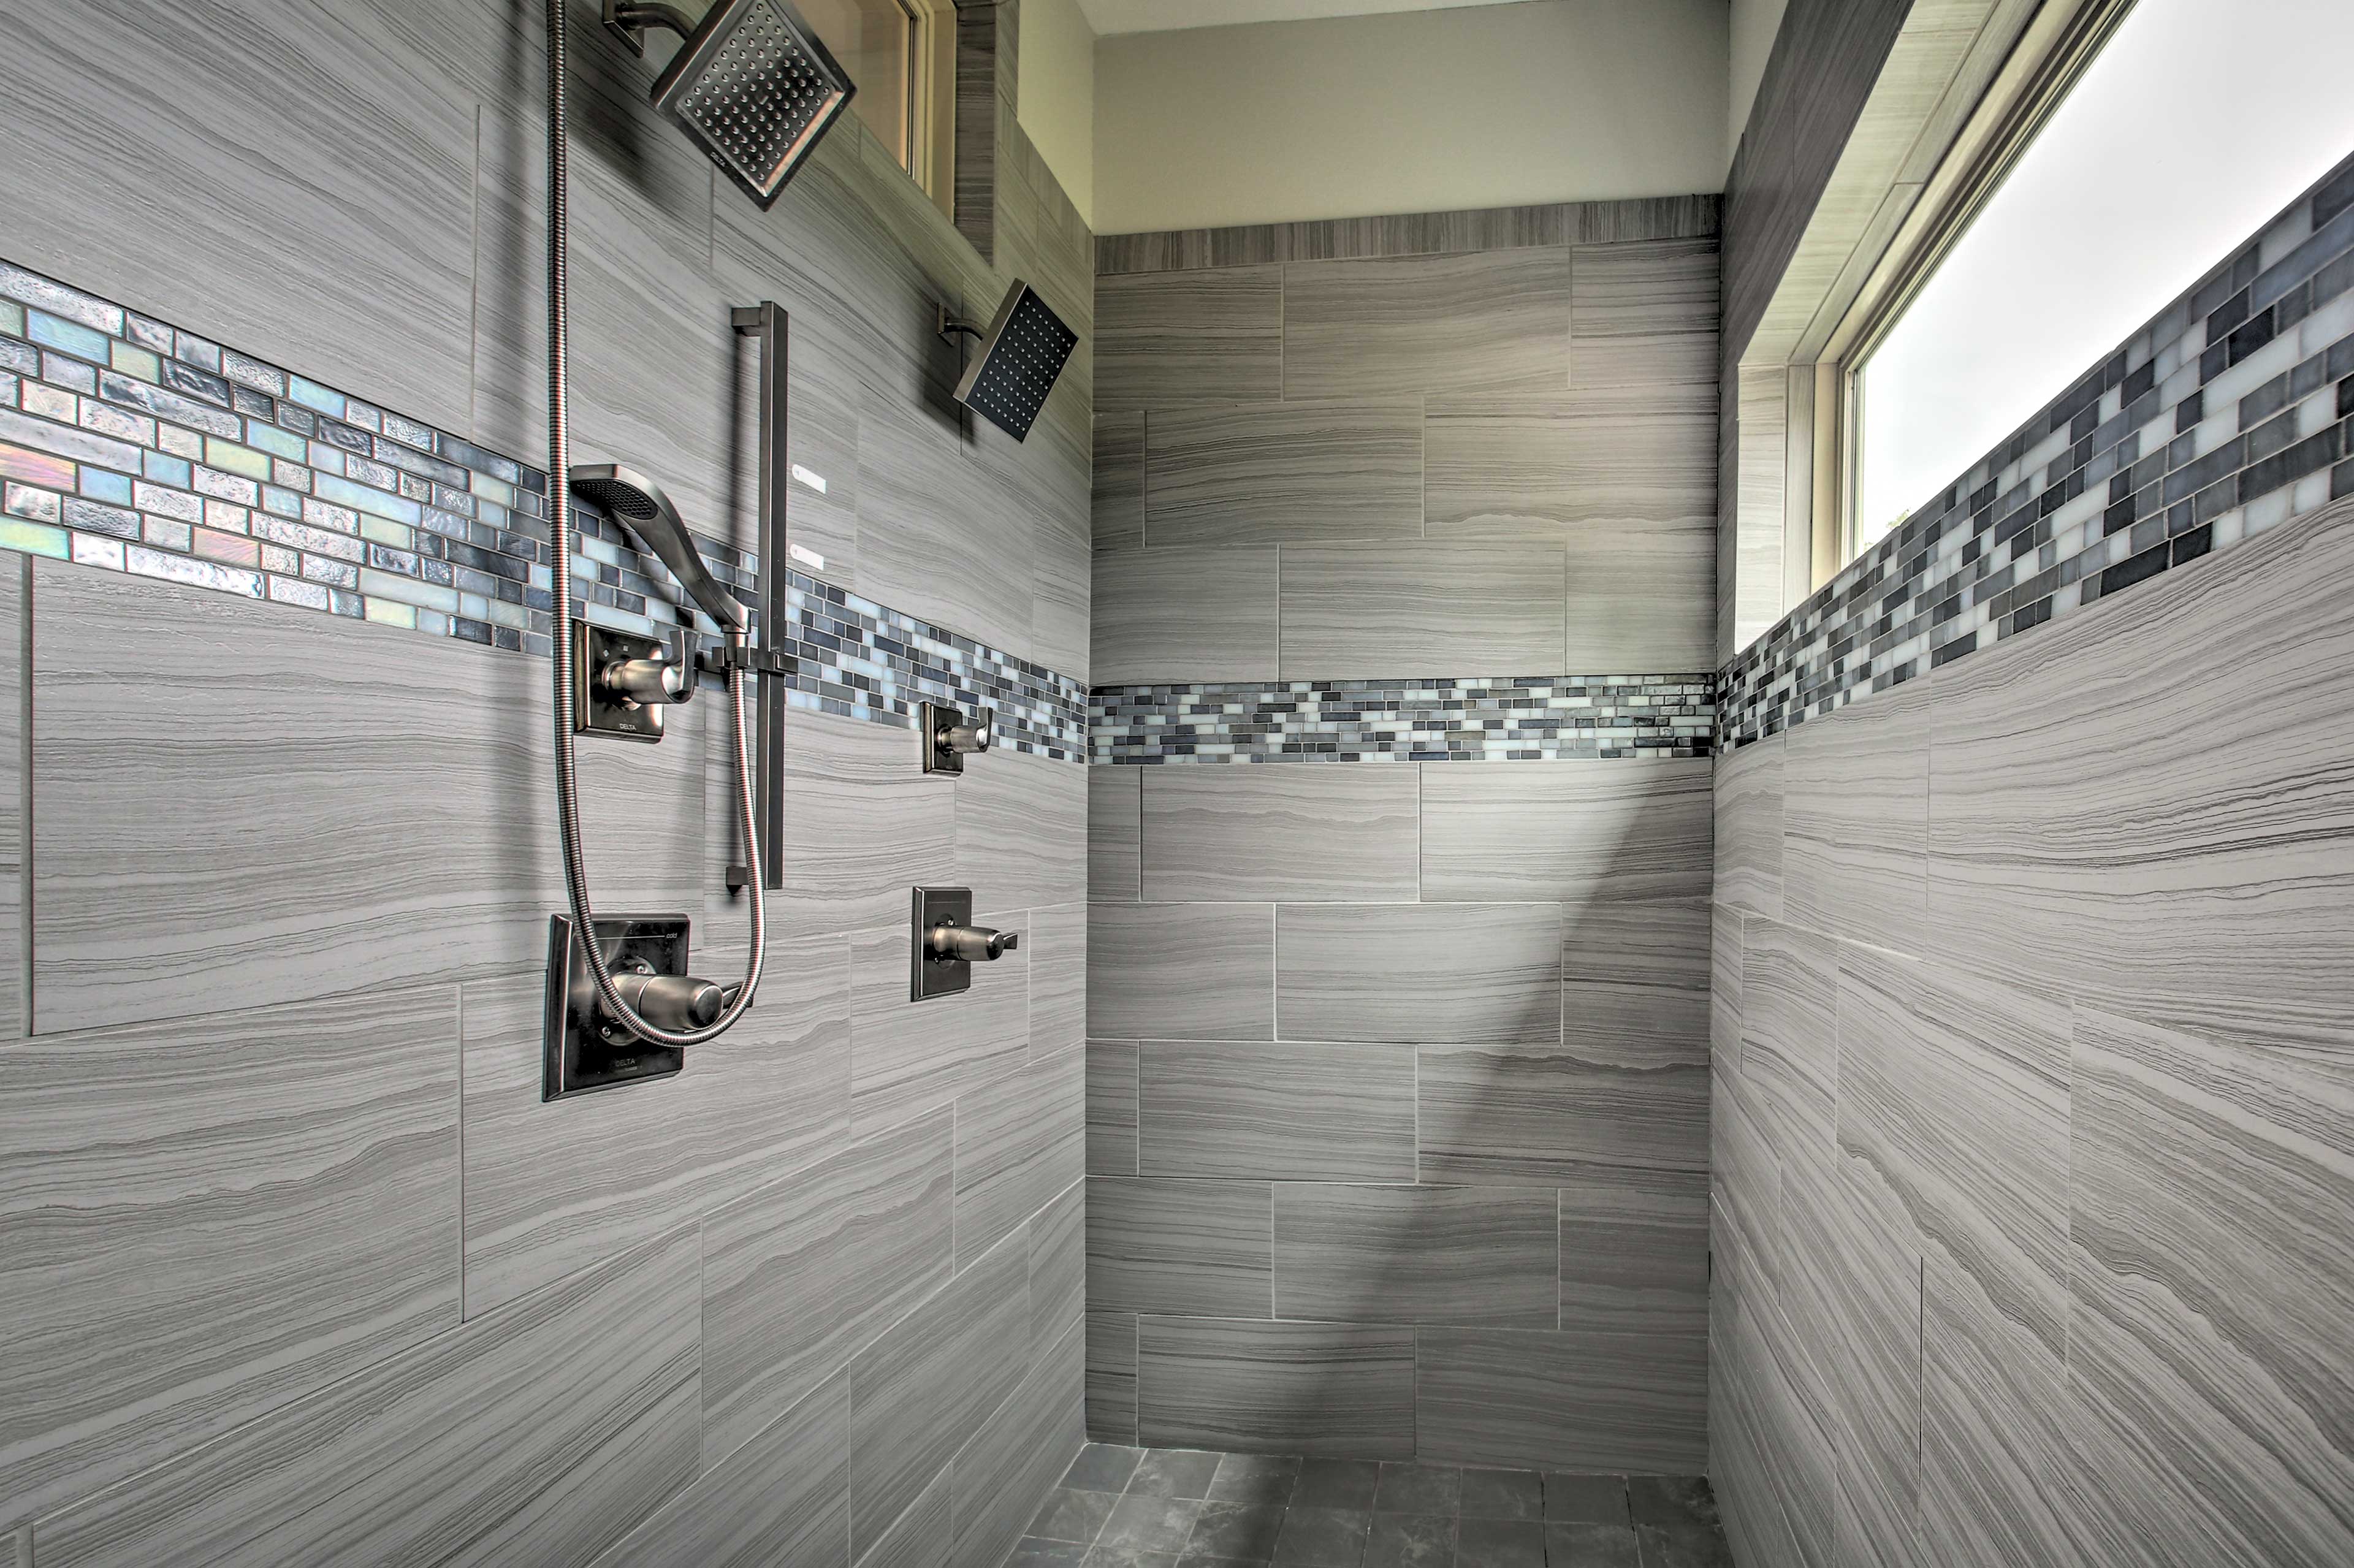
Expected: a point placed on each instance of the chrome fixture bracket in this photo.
(582, 1050)
(946, 943)
(629, 19)
(596, 710)
(951, 735)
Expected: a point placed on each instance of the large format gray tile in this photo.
(1563, 1401)
(862, 824)
(1280, 1110)
(1749, 829)
(1057, 941)
(206, 1219)
(245, 897)
(1644, 314)
(1724, 943)
(1434, 607)
(799, 1274)
(1019, 1141)
(1115, 806)
(1274, 473)
(1058, 1269)
(1111, 1375)
(1113, 1099)
(1117, 503)
(15, 578)
(1618, 832)
(1480, 1256)
(1234, 834)
(2211, 1187)
(1201, 1248)
(1517, 1115)
(1180, 971)
(1993, 1418)
(2072, 838)
(782, 1498)
(1168, 339)
(919, 1537)
(1790, 1043)
(1014, 1461)
(1496, 320)
(1020, 827)
(142, 201)
(1195, 614)
(1956, 1091)
(1418, 973)
(1634, 1250)
(1322, 1389)
(499, 1441)
(1855, 822)
(921, 1391)
(550, 1188)
(907, 1056)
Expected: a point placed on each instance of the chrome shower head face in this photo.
(755, 89)
(637, 502)
(1021, 357)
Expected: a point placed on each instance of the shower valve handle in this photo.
(971, 944)
(647, 682)
(964, 739)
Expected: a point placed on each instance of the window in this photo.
(902, 56)
(2190, 129)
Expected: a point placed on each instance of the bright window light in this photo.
(2198, 123)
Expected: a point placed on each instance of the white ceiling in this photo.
(1109, 17)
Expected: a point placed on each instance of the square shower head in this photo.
(754, 86)
(1020, 355)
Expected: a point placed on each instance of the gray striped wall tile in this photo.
(1634, 1250)
(1203, 337)
(1058, 940)
(1632, 832)
(1234, 834)
(552, 1188)
(800, 1274)
(1115, 804)
(1724, 986)
(920, 1538)
(1562, 1401)
(1185, 615)
(1180, 971)
(920, 1391)
(1118, 507)
(1019, 1141)
(861, 825)
(1481, 1257)
(1789, 1047)
(1281, 1110)
(1855, 822)
(1514, 1115)
(1488, 322)
(15, 578)
(1552, 465)
(1382, 610)
(1111, 1375)
(1058, 1269)
(417, 1455)
(1337, 1391)
(1020, 827)
(1994, 1415)
(1749, 829)
(1272, 474)
(1018, 1455)
(1645, 313)
(1112, 1096)
(783, 1497)
(206, 1219)
(1200, 1249)
(1414, 973)
(908, 1057)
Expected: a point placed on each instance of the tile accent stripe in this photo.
(1470, 719)
(2229, 414)
(128, 444)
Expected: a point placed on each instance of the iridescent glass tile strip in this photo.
(1509, 718)
(128, 444)
(2230, 414)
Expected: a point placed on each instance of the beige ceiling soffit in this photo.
(1946, 53)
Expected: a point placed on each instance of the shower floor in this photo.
(1182, 1507)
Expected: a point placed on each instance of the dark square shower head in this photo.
(755, 89)
(1021, 353)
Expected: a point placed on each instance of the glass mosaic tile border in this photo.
(2229, 414)
(1466, 719)
(129, 445)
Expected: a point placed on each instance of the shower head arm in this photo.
(629, 19)
(948, 325)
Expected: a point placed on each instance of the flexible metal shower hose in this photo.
(559, 532)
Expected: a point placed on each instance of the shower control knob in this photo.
(671, 1001)
(971, 944)
(965, 737)
(646, 683)
(951, 735)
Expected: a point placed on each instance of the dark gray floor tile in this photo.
(1584, 1499)
(1499, 1544)
(1255, 1478)
(1244, 1532)
(1410, 1540)
(1684, 1546)
(1590, 1546)
(1322, 1537)
(1071, 1515)
(1336, 1483)
(1503, 1494)
(1191, 1558)
(1419, 1488)
(1102, 1556)
(1102, 1467)
(1174, 1473)
(1148, 1524)
(1673, 1500)
(1032, 1553)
